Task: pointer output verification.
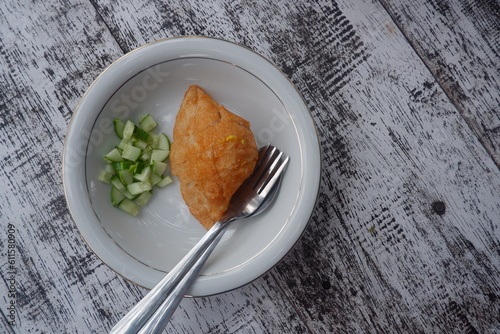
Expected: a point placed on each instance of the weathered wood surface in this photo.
(405, 236)
(459, 42)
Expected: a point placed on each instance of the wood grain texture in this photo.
(385, 260)
(50, 52)
(405, 235)
(459, 41)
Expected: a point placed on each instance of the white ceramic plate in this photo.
(153, 79)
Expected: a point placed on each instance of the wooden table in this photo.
(405, 234)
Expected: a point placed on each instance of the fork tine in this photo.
(273, 175)
(265, 155)
(267, 167)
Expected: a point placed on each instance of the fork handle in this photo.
(133, 321)
(161, 317)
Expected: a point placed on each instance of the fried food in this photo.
(213, 152)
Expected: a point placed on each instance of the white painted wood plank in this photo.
(50, 53)
(259, 307)
(378, 256)
(386, 260)
(459, 41)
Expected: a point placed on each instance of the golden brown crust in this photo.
(213, 152)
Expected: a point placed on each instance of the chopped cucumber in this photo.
(115, 181)
(164, 143)
(137, 188)
(153, 140)
(131, 153)
(129, 207)
(141, 133)
(144, 175)
(155, 179)
(124, 142)
(121, 165)
(118, 125)
(141, 117)
(140, 144)
(148, 123)
(128, 129)
(109, 168)
(137, 168)
(146, 154)
(159, 155)
(105, 176)
(136, 165)
(165, 182)
(106, 173)
(144, 198)
(114, 156)
(125, 176)
(159, 167)
(129, 195)
(116, 196)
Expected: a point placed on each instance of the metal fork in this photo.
(153, 312)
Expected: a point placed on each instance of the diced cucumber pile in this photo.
(136, 165)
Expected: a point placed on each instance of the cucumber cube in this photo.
(144, 175)
(125, 176)
(154, 179)
(116, 196)
(128, 130)
(141, 144)
(129, 207)
(122, 165)
(166, 181)
(141, 134)
(124, 142)
(159, 167)
(164, 143)
(137, 188)
(118, 125)
(115, 181)
(146, 155)
(131, 153)
(113, 156)
(148, 123)
(143, 198)
(159, 155)
(137, 168)
(109, 168)
(105, 176)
